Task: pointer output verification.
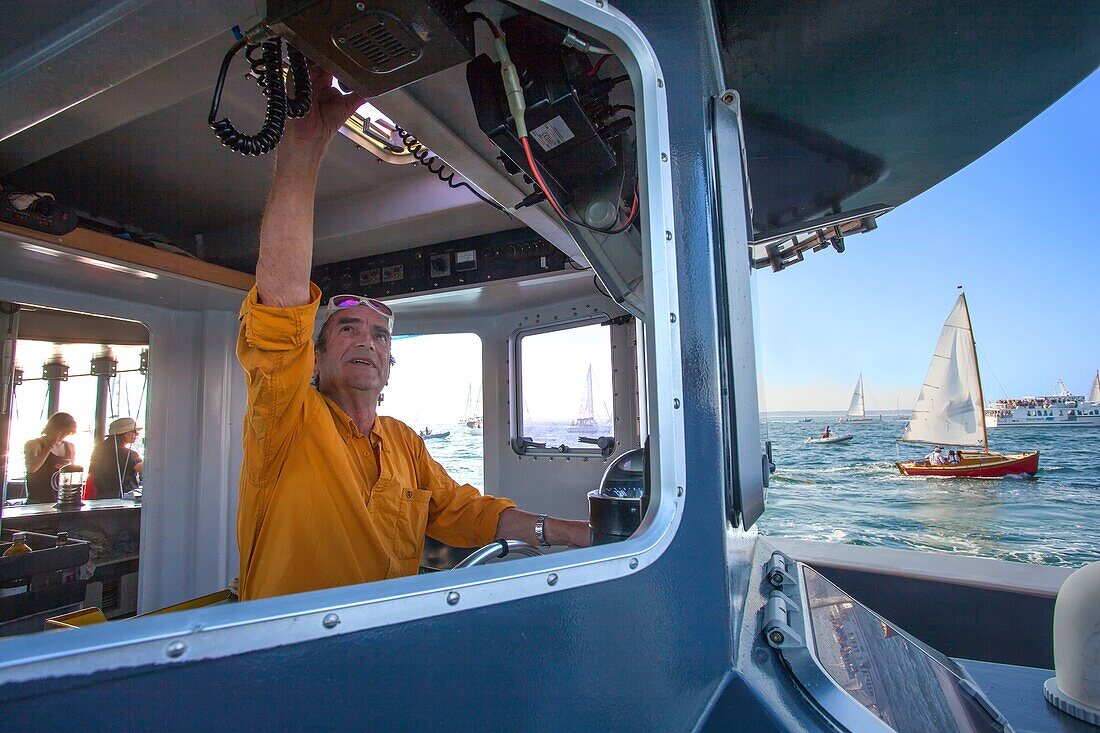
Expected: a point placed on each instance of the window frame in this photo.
(515, 387)
(222, 631)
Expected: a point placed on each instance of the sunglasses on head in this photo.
(339, 302)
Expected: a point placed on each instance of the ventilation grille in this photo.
(379, 42)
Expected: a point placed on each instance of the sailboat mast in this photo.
(981, 397)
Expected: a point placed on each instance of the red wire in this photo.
(596, 66)
(538, 177)
(554, 203)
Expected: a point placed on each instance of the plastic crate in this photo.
(43, 566)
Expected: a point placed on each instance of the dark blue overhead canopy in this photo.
(856, 105)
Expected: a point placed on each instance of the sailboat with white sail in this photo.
(1094, 393)
(857, 409)
(949, 411)
(586, 412)
(472, 414)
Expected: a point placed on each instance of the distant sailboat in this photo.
(950, 411)
(1094, 393)
(586, 412)
(1061, 387)
(857, 410)
(472, 414)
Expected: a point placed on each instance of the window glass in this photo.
(566, 386)
(435, 388)
(77, 395)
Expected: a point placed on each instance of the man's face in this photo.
(357, 352)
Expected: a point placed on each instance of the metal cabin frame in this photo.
(656, 633)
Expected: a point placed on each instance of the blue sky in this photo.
(1017, 228)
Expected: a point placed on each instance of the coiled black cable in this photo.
(269, 71)
(439, 167)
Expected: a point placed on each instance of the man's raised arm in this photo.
(286, 234)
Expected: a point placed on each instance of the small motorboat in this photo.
(830, 440)
(434, 436)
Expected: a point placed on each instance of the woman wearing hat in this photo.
(114, 467)
(45, 456)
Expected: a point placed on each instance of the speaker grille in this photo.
(379, 42)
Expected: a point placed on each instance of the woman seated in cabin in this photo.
(47, 455)
(954, 458)
(114, 466)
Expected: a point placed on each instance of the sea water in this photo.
(852, 493)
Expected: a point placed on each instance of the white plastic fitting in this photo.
(516, 103)
(1075, 688)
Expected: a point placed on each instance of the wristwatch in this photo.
(540, 531)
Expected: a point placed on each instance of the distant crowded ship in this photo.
(1055, 411)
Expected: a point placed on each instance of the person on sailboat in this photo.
(828, 431)
(331, 493)
(935, 458)
(954, 458)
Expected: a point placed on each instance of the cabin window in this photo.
(79, 381)
(565, 396)
(435, 388)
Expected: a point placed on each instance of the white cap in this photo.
(122, 425)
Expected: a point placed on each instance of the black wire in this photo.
(573, 265)
(298, 106)
(440, 169)
(269, 71)
(599, 286)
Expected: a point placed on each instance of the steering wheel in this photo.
(498, 549)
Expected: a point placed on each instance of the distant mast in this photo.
(1061, 387)
(1094, 393)
(949, 409)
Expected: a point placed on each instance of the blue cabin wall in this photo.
(651, 651)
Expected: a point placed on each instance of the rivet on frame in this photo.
(668, 236)
(452, 598)
(633, 563)
(552, 579)
(676, 403)
(330, 621)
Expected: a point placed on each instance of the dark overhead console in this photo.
(458, 263)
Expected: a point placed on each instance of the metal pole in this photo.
(104, 367)
(8, 381)
(55, 371)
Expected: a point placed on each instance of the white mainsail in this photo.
(1094, 393)
(949, 408)
(586, 412)
(857, 409)
(1062, 391)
